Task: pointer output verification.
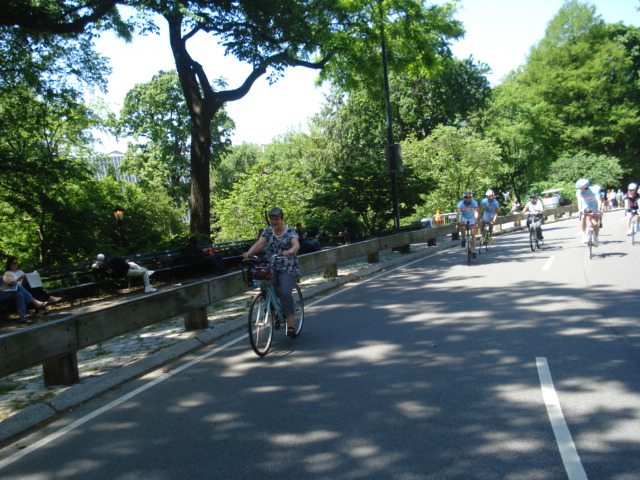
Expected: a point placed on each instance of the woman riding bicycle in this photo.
(282, 241)
(534, 207)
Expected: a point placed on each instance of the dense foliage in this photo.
(571, 111)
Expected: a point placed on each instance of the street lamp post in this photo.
(392, 151)
(118, 214)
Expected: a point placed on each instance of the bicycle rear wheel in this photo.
(298, 304)
(260, 326)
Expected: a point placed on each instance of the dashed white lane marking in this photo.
(548, 263)
(567, 448)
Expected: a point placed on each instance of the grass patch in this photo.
(9, 387)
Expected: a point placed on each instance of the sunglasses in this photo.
(466, 198)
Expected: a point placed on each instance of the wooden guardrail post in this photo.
(196, 319)
(61, 370)
(330, 271)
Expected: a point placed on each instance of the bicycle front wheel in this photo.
(591, 242)
(298, 304)
(468, 249)
(486, 240)
(260, 326)
(533, 239)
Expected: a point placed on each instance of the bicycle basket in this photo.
(262, 272)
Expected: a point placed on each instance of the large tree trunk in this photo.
(202, 107)
(200, 182)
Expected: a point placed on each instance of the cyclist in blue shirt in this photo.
(588, 199)
(490, 208)
(468, 212)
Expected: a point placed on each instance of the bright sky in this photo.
(498, 33)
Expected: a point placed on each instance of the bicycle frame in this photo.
(484, 237)
(467, 242)
(533, 230)
(591, 231)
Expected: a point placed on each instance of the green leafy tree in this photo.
(268, 36)
(600, 169)
(444, 96)
(362, 189)
(523, 131)
(156, 115)
(42, 143)
(263, 187)
(585, 74)
(459, 159)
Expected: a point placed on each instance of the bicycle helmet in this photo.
(533, 195)
(633, 186)
(467, 193)
(489, 193)
(582, 183)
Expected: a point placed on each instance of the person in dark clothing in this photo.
(307, 245)
(119, 268)
(207, 256)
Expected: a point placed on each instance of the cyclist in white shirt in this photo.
(534, 207)
(589, 199)
(631, 203)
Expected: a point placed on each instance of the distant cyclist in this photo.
(631, 204)
(468, 212)
(490, 208)
(534, 207)
(589, 199)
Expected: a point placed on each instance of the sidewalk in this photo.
(25, 401)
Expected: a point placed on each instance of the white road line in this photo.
(548, 263)
(567, 448)
(72, 426)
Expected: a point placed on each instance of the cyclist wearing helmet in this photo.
(631, 204)
(490, 208)
(534, 207)
(588, 199)
(468, 212)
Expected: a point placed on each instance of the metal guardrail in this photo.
(55, 344)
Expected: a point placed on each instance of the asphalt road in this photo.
(524, 365)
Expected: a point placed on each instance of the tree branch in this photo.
(282, 58)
